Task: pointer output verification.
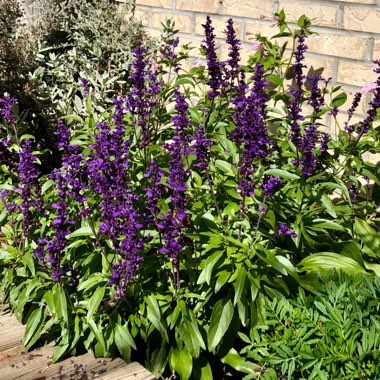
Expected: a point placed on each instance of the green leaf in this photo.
(231, 209)
(181, 362)
(222, 278)
(47, 185)
(328, 205)
(275, 79)
(154, 315)
(205, 275)
(238, 363)
(190, 334)
(281, 173)
(83, 231)
(95, 301)
(60, 303)
(95, 280)
(239, 284)
(225, 167)
(373, 267)
(98, 334)
(73, 117)
(33, 327)
(221, 318)
(368, 235)
(124, 342)
(329, 224)
(158, 360)
(340, 99)
(326, 261)
(61, 349)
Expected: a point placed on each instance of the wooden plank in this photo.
(131, 371)
(11, 332)
(18, 364)
(34, 367)
(80, 367)
(18, 357)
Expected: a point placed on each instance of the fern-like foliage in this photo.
(334, 335)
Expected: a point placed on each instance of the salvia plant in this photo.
(181, 212)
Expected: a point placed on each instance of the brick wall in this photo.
(348, 36)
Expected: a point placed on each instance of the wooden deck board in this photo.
(133, 371)
(17, 364)
(11, 332)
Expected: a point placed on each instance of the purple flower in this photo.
(142, 96)
(29, 187)
(250, 133)
(181, 121)
(294, 104)
(85, 84)
(73, 169)
(51, 251)
(271, 185)
(233, 52)
(309, 160)
(215, 80)
(350, 112)
(171, 224)
(374, 104)
(155, 189)
(169, 53)
(201, 148)
(7, 105)
(285, 230)
(120, 222)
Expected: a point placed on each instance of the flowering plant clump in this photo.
(183, 209)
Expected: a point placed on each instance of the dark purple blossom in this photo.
(7, 105)
(296, 92)
(85, 84)
(171, 224)
(73, 169)
(353, 190)
(350, 112)
(232, 67)
(271, 185)
(154, 189)
(142, 96)
(181, 121)
(215, 68)
(29, 187)
(364, 126)
(51, 251)
(285, 230)
(250, 133)
(201, 148)
(120, 221)
(309, 159)
(170, 54)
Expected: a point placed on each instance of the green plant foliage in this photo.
(190, 211)
(44, 61)
(334, 335)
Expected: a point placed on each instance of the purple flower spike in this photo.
(271, 185)
(233, 52)
(215, 80)
(250, 132)
(285, 230)
(6, 108)
(201, 148)
(29, 186)
(142, 97)
(294, 104)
